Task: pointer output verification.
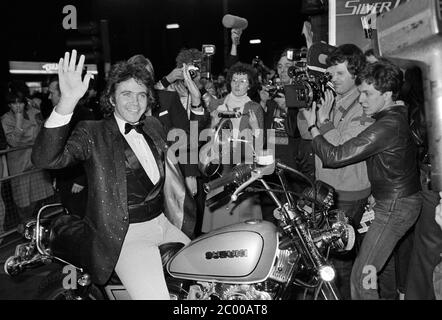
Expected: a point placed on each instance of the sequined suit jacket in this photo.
(95, 241)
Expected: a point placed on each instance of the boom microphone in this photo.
(234, 22)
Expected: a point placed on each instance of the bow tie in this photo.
(138, 127)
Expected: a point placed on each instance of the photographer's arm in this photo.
(194, 92)
(174, 75)
(327, 128)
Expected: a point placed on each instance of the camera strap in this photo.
(344, 111)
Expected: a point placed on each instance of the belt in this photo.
(146, 211)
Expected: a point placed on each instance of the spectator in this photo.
(242, 80)
(21, 126)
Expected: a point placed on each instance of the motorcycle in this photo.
(252, 260)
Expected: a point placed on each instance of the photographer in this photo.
(338, 122)
(289, 146)
(191, 97)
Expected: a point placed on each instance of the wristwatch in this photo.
(195, 107)
(311, 127)
(165, 82)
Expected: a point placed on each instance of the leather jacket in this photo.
(387, 147)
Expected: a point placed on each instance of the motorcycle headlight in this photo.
(327, 273)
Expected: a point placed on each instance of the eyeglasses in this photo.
(240, 81)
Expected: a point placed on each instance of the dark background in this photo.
(34, 30)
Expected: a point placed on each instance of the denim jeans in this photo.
(392, 220)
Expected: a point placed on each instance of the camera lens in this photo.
(291, 71)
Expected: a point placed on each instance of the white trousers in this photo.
(139, 265)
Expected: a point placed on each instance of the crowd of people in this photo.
(113, 170)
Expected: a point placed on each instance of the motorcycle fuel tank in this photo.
(240, 253)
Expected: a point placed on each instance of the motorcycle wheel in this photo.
(51, 288)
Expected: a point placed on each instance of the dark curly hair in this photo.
(351, 53)
(384, 76)
(121, 72)
(243, 68)
(188, 56)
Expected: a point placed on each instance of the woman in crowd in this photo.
(242, 83)
(21, 125)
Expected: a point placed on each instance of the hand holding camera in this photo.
(174, 75)
(195, 93)
(310, 114)
(326, 106)
(264, 94)
(280, 100)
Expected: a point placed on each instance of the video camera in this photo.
(309, 77)
(307, 87)
(296, 55)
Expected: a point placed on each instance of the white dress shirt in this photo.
(135, 140)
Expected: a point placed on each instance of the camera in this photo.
(307, 87)
(194, 68)
(298, 69)
(193, 71)
(309, 79)
(296, 55)
(274, 88)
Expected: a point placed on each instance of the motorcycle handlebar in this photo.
(239, 173)
(243, 172)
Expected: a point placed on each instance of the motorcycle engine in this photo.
(285, 263)
(222, 291)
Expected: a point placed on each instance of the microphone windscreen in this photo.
(234, 22)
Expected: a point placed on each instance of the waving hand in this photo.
(72, 87)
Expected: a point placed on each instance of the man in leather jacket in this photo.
(390, 153)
